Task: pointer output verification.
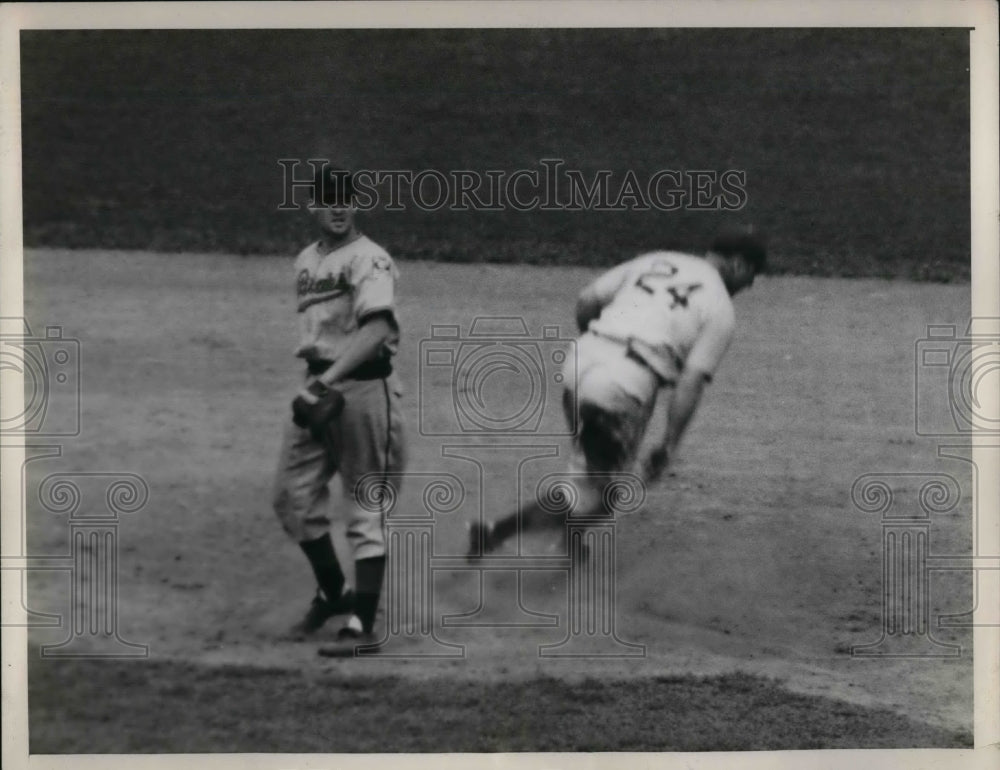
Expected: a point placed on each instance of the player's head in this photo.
(332, 201)
(739, 257)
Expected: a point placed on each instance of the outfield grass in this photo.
(855, 142)
(155, 707)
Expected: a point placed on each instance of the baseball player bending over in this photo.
(347, 417)
(655, 327)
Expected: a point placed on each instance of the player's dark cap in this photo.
(333, 186)
(746, 243)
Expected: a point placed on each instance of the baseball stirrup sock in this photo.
(326, 567)
(369, 574)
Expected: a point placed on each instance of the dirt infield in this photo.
(750, 557)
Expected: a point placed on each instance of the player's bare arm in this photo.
(366, 345)
(669, 419)
(654, 458)
(687, 396)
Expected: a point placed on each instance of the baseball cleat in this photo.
(349, 638)
(481, 541)
(320, 611)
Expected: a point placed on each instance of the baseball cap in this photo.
(746, 242)
(333, 186)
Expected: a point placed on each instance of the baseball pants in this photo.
(366, 441)
(614, 394)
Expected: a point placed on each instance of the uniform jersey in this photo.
(336, 291)
(672, 307)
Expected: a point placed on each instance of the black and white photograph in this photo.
(499, 380)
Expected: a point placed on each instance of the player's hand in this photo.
(653, 465)
(316, 407)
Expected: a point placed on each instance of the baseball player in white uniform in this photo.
(347, 419)
(655, 327)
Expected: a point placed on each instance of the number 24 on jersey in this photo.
(659, 282)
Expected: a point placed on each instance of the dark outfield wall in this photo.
(854, 143)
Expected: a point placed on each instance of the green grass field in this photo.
(855, 143)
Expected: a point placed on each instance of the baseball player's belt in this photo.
(370, 370)
(661, 360)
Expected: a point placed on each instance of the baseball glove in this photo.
(316, 408)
